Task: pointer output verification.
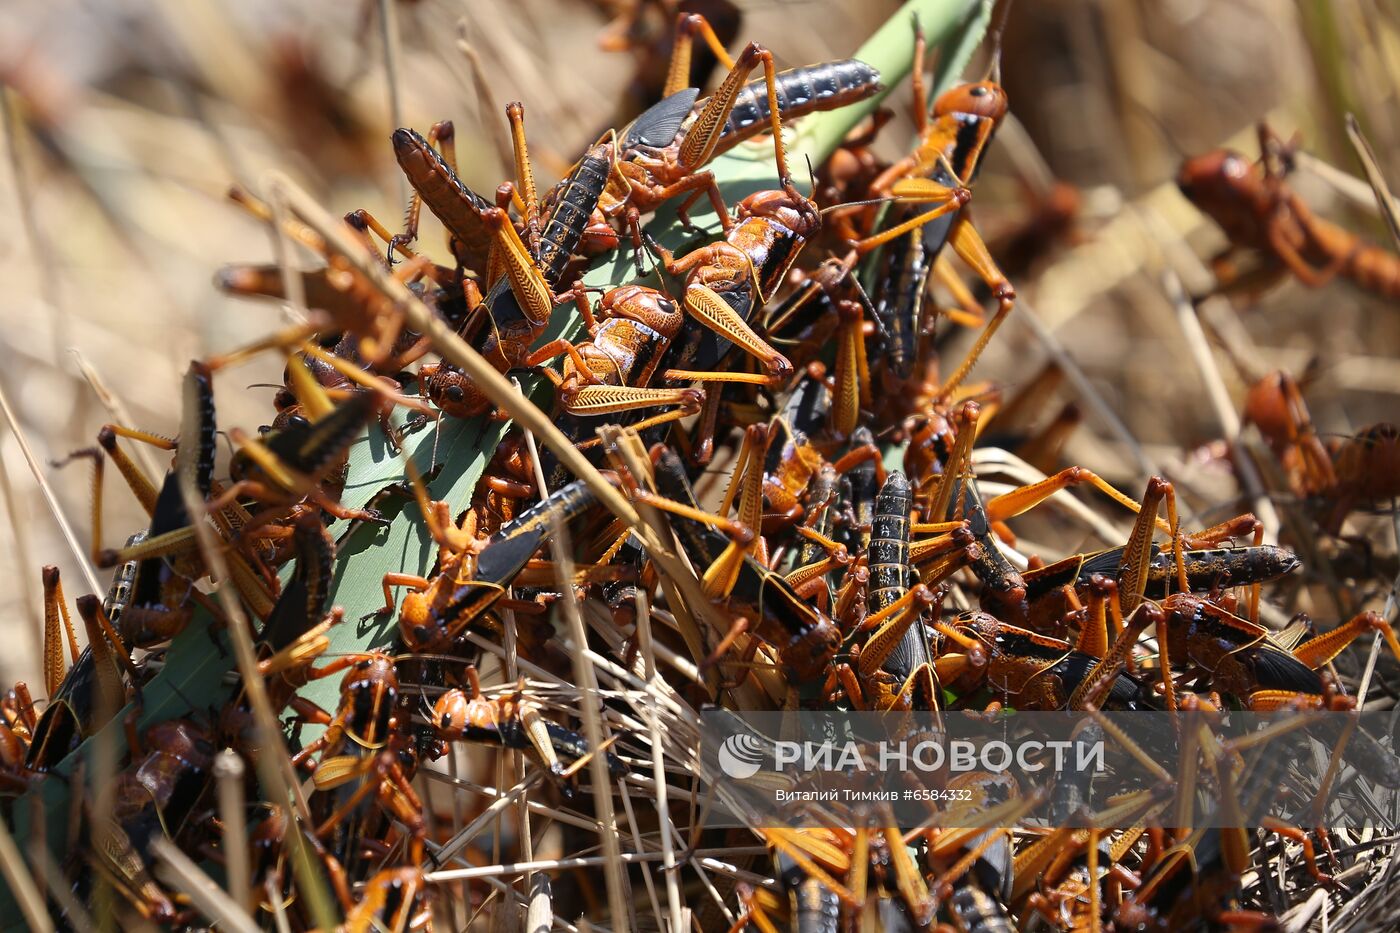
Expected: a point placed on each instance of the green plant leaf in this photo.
(455, 452)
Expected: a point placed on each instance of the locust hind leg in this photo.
(852, 369)
(688, 25)
(746, 482)
(920, 107)
(141, 486)
(718, 579)
(965, 427)
(56, 609)
(606, 399)
(524, 176)
(1099, 679)
(1137, 555)
(968, 312)
(889, 625)
(1010, 504)
(517, 263)
(1093, 629)
(967, 243)
(1321, 649)
(538, 734)
(109, 653)
(711, 310)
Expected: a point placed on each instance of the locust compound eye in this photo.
(455, 394)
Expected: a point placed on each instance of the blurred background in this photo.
(125, 122)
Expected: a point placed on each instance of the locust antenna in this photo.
(999, 16)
